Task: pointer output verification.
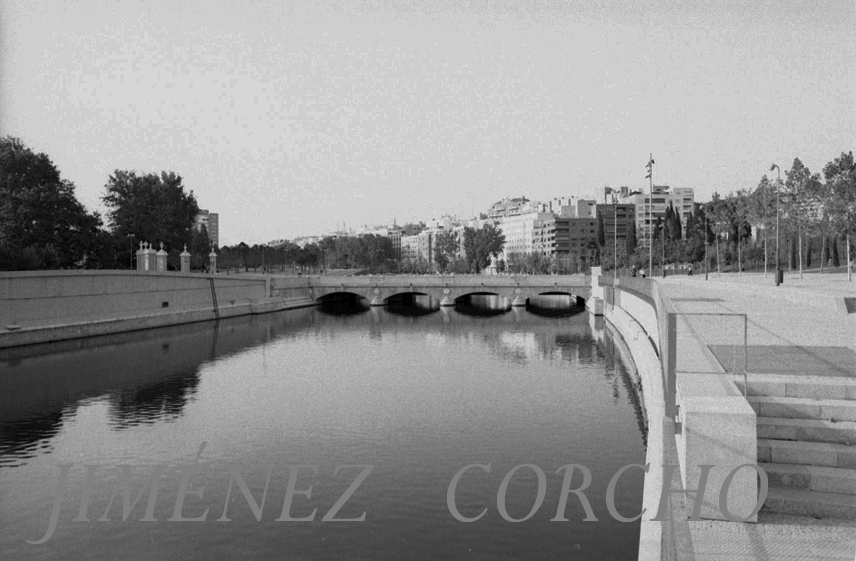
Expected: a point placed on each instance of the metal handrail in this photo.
(745, 338)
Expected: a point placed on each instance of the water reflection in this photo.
(412, 305)
(343, 304)
(482, 305)
(151, 376)
(618, 359)
(554, 305)
(417, 395)
(163, 400)
(145, 376)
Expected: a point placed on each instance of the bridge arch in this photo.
(338, 296)
(576, 299)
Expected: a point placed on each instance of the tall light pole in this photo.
(778, 184)
(705, 246)
(650, 178)
(615, 232)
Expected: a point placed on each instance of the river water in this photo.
(416, 393)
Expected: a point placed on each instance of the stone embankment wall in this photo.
(705, 419)
(44, 306)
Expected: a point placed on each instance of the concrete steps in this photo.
(807, 430)
(823, 454)
(811, 478)
(801, 502)
(803, 408)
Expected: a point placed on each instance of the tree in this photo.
(480, 245)
(799, 194)
(840, 178)
(761, 211)
(631, 242)
(199, 248)
(445, 249)
(601, 230)
(40, 213)
(153, 208)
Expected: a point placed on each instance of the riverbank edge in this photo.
(81, 327)
(658, 452)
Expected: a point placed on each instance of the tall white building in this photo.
(651, 206)
(410, 248)
(518, 231)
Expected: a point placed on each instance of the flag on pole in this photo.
(649, 167)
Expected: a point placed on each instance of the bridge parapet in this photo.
(582, 281)
(447, 288)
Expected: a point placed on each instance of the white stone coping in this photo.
(648, 367)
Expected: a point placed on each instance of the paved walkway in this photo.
(811, 318)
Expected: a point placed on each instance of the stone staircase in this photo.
(806, 443)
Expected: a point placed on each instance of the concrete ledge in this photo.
(719, 429)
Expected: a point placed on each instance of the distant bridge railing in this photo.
(453, 280)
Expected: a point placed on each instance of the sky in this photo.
(290, 118)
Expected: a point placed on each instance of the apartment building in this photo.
(650, 206)
(394, 235)
(620, 216)
(518, 230)
(563, 236)
(211, 221)
(510, 207)
(410, 248)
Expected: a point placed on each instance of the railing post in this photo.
(671, 358)
(746, 354)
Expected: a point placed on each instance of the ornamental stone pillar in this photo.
(185, 260)
(149, 257)
(140, 263)
(161, 259)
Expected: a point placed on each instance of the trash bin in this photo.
(780, 276)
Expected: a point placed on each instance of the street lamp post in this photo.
(778, 184)
(650, 178)
(615, 233)
(705, 246)
(131, 256)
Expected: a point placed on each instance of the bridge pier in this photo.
(518, 302)
(447, 302)
(377, 300)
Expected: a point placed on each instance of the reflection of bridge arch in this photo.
(576, 299)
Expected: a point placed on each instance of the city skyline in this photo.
(288, 120)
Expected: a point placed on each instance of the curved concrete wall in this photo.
(713, 424)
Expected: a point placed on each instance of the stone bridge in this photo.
(448, 288)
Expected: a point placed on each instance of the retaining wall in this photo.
(44, 306)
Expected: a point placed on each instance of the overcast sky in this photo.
(287, 118)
